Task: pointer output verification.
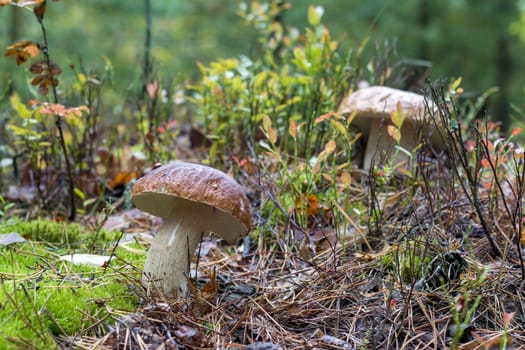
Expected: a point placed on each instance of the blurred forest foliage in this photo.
(482, 41)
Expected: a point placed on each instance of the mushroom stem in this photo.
(167, 266)
(377, 143)
(381, 147)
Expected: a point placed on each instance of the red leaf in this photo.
(37, 80)
(39, 10)
(515, 131)
(324, 117)
(36, 68)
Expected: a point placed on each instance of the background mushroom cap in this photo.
(380, 101)
(164, 189)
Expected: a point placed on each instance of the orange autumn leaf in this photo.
(485, 163)
(346, 178)
(61, 110)
(329, 148)
(211, 288)
(515, 132)
(37, 80)
(22, 50)
(394, 133)
(327, 177)
(324, 117)
(292, 129)
(17, 46)
(495, 161)
(121, 179)
(312, 204)
(488, 185)
(32, 50)
(40, 9)
(53, 109)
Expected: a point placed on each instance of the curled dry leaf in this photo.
(40, 9)
(22, 51)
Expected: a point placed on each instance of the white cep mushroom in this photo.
(195, 200)
(374, 106)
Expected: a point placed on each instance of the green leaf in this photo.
(79, 193)
(19, 107)
(397, 118)
(269, 130)
(314, 15)
(81, 78)
(19, 131)
(43, 144)
(340, 127)
(456, 83)
(260, 79)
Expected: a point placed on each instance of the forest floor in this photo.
(426, 278)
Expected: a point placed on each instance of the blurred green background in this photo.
(480, 40)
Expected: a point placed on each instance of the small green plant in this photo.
(505, 339)
(463, 309)
(51, 138)
(449, 115)
(237, 95)
(275, 110)
(408, 260)
(463, 306)
(4, 211)
(483, 161)
(46, 73)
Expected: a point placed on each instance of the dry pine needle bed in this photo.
(339, 295)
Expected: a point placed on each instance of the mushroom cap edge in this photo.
(159, 191)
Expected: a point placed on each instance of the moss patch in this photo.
(43, 298)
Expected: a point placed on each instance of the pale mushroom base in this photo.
(166, 268)
(381, 147)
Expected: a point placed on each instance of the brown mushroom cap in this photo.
(373, 107)
(163, 190)
(380, 101)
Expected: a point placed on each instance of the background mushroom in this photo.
(194, 200)
(374, 106)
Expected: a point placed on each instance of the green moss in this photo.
(42, 297)
(66, 235)
(408, 261)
